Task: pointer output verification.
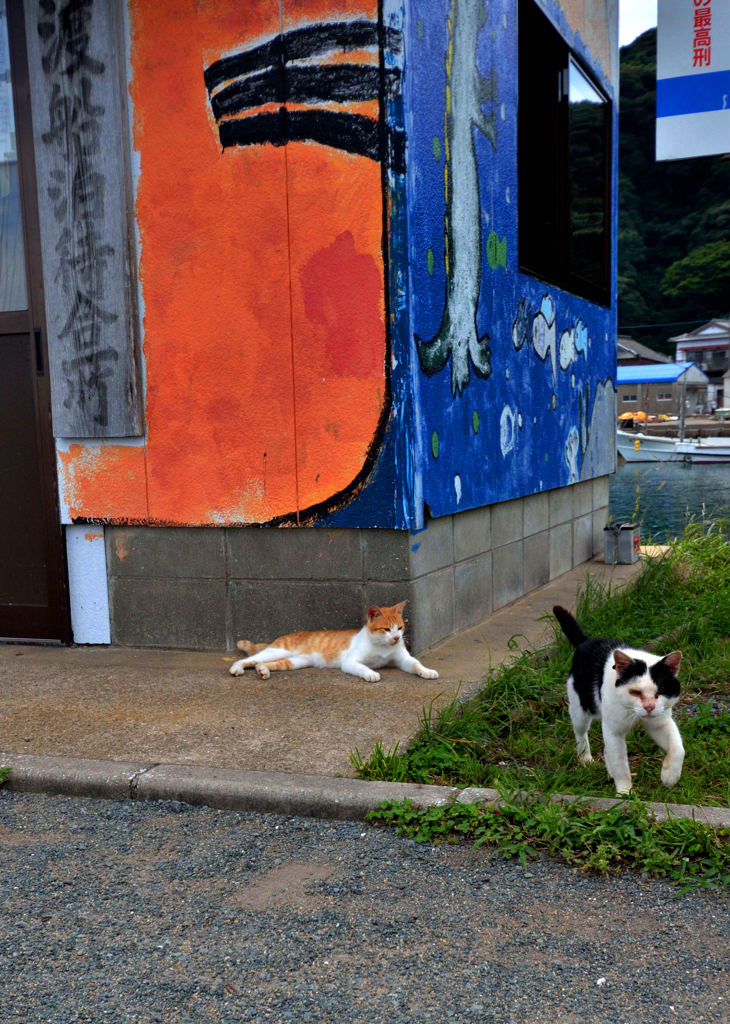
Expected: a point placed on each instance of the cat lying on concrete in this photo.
(357, 652)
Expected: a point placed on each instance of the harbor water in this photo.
(661, 495)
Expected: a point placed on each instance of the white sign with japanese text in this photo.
(693, 79)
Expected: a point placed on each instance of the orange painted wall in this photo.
(262, 281)
(109, 479)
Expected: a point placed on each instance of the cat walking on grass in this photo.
(357, 652)
(622, 686)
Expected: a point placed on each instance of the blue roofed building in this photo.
(658, 389)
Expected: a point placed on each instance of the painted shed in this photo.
(306, 306)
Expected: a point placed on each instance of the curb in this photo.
(717, 817)
(309, 796)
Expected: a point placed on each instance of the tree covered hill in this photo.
(674, 217)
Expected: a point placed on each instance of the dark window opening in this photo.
(564, 162)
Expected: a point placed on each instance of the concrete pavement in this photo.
(184, 708)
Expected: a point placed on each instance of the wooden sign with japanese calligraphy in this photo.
(80, 133)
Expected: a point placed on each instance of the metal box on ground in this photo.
(622, 543)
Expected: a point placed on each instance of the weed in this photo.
(690, 853)
(706, 722)
(381, 764)
(4, 773)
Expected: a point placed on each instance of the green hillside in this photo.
(674, 217)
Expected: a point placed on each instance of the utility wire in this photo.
(676, 323)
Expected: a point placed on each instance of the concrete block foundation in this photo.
(205, 588)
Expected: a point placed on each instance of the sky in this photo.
(635, 17)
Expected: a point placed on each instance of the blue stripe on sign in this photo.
(691, 94)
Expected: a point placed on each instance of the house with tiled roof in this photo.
(633, 353)
(708, 347)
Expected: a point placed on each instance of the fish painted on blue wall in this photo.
(466, 92)
(544, 416)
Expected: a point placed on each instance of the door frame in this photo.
(34, 323)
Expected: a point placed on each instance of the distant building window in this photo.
(628, 398)
(563, 163)
(664, 396)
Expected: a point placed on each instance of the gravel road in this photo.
(167, 913)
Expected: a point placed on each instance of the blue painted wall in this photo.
(532, 407)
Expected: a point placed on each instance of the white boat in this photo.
(644, 448)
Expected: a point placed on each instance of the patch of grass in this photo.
(691, 854)
(516, 732)
(4, 773)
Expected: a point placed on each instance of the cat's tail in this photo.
(249, 648)
(569, 626)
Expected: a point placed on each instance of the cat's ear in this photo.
(373, 612)
(398, 608)
(621, 661)
(672, 661)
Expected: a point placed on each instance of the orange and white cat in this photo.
(357, 652)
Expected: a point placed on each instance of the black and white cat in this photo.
(622, 686)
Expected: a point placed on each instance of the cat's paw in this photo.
(586, 757)
(237, 668)
(623, 788)
(263, 671)
(371, 677)
(428, 673)
(670, 776)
